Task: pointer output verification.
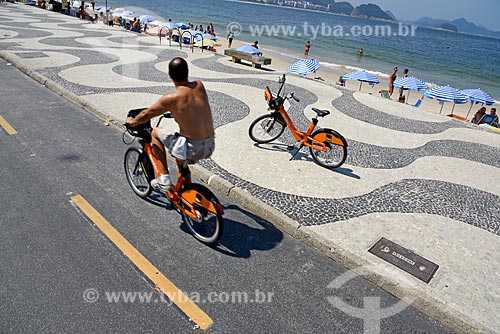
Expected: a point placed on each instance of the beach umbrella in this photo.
(361, 76)
(183, 26)
(146, 19)
(478, 96)
(170, 25)
(304, 67)
(206, 36)
(446, 94)
(250, 50)
(410, 83)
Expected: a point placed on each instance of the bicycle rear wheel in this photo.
(336, 146)
(208, 225)
(265, 129)
(139, 172)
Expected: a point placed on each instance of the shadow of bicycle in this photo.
(239, 239)
(305, 156)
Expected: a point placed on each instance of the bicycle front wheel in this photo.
(138, 171)
(265, 129)
(336, 148)
(207, 227)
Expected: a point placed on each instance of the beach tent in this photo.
(361, 76)
(304, 67)
(478, 96)
(446, 94)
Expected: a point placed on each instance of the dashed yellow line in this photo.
(163, 283)
(10, 130)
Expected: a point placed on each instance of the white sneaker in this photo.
(155, 183)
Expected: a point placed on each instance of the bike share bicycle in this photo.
(328, 148)
(199, 208)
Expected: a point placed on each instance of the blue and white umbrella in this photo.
(146, 19)
(205, 36)
(170, 25)
(304, 67)
(478, 96)
(410, 83)
(182, 26)
(361, 76)
(250, 50)
(446, 94)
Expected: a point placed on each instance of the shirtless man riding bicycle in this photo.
(191, 110)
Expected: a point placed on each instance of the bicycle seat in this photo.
(321, 113)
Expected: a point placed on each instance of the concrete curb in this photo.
(446, 315)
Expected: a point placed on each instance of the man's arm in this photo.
(166, 103)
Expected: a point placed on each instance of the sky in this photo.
(480, 12)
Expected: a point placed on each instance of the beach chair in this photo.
(488, 119)
(385, 94)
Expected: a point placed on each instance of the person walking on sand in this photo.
(392, 78)
(230, 37)
(308, 47)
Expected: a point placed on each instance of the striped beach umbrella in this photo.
(446, 94)
(304, 67)
(361, 76)
(410, 83)
(478, 96)
(146, 19)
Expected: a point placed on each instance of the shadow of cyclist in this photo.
(239, 239)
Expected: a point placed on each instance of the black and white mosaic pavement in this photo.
(408, 195)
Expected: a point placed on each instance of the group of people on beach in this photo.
(479, 115)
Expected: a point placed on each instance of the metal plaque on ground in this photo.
(404, 259)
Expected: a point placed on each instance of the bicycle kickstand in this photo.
(296, 152)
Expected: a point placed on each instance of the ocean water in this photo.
(435, 56)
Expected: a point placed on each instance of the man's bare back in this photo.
(189, 106)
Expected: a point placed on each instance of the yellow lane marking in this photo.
(10, 130)
(163, 283)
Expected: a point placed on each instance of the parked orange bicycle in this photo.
(198, 206)
(328, 148)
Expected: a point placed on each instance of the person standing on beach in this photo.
(308, 47)
(392, 78)
(401, 90)
(230, 37)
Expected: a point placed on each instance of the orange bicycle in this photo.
(198, 206)
(328, 148)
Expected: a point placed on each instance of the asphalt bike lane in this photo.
(56, 261)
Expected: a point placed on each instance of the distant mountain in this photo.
(461, 24)
(447, 26)
(371, 11)
(388, 12)
(344, 8)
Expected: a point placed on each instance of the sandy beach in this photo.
(330, 76)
